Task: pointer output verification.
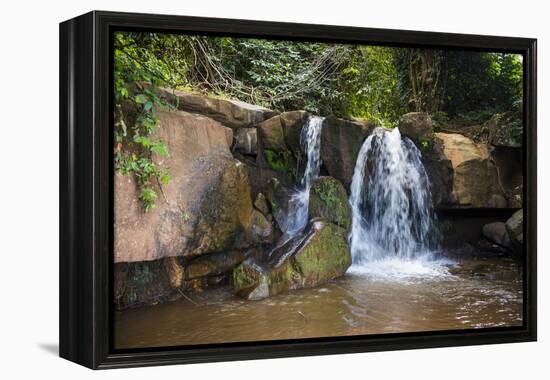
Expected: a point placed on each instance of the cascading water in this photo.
(392, 215)
(310, 139)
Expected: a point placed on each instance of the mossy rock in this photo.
(320, 255)
(141, 283)
(328, 199)
(283, 162)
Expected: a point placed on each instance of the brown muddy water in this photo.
(387, 297)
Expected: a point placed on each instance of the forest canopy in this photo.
(374, 82)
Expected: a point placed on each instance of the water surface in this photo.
(388, 298)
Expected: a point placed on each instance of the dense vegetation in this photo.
(350, 81)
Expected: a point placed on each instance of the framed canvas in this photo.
(234, 189)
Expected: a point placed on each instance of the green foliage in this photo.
(137, 73)
(439, 120)
(328, 192)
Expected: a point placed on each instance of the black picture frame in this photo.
(86, 190)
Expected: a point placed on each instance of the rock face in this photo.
(141, 283)
(205, 207)
(341, 141)
(278, 197)
(246, 141)
(496, 232)
(280, 150)
(514, 226)
(417, 126)
(261, 204)
(271, 134)
(321, 255)
(231, 113)
(292, 123)
(261, 230)
(440, 172)
(328, 200)
(509, 164)
(475, 177)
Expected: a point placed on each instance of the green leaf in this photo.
(159, 148)
(165, 178)
(141, 98)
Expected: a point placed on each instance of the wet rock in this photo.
(496, 232)
(514, 226)
(213, 264)
(221, 218)
(261, 230)
(174, 270)
(321, 254)
(292, 123)
(506, 129)
(206, 206)
(440, 172)
(279, 198)
(141, 283)
(231, 113)
(341, 141)
(475, 177)
(246, 141)
(328, 200)
(418, 127)
(276, 157)
(261, 204)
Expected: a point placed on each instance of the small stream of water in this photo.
(310, 139)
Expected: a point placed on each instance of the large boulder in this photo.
(328, 200)
(320, 255)
(418, 127)
(514, 227)
(341, 141)
(213, 264)
(206, 206)
(292, 123)
(496, 232)
(271, 134)
(506, 129)
(231, 113)
(440, 172)
(475, 177)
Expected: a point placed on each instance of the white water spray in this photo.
(392, 215)
(310, 139)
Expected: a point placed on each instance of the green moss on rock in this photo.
(322, 255)
(328, 199)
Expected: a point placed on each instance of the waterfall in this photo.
(310, 139)
(392, 213)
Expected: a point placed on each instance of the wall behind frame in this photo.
(29, 211)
